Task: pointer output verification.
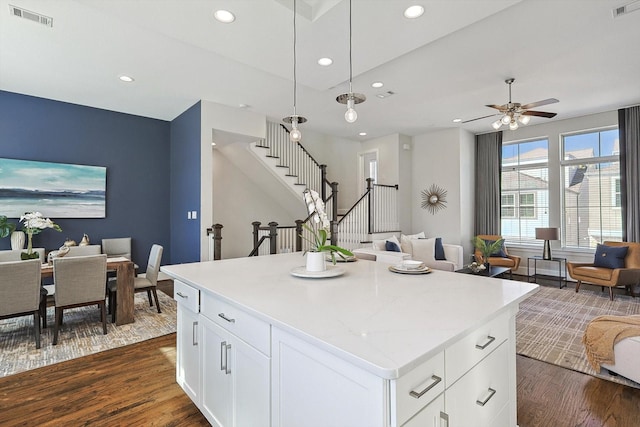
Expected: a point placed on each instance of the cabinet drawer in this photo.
(243, 325)
(478, 398)
(187, 296)
(417, 388)
(471, 349)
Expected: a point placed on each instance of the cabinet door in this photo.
(431, 416)
(216, 374)
(250, 373)
(189, 338)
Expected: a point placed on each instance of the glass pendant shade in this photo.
(351, 115)
(295, 135)
(513, 125)
(524, 120)
(506, 119)
(496, 125)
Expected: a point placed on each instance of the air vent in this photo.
(385, 94)
(627, 8)
(31, 16)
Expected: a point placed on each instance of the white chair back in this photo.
(79, 279)
(117, 247)
(14, 254)
(19, 286)
(84, 250)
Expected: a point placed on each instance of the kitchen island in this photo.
(258, 346)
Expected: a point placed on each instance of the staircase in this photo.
(374, 212)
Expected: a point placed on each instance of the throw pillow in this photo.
(390, 246)
(439, 250)
(610, 256)
(500, 253)
(423, 250)
(405, 241)
(380, 245)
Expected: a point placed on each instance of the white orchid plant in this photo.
(34, 223)
(320, 227)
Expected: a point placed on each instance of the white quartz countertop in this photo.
(383, 322)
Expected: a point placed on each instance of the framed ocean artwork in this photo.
(57, 190)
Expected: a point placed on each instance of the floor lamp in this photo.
(547, 234)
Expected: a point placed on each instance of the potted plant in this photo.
(34, 223)
(486, 248)
(319, 230)
(6, 227)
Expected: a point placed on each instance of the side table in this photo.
(537, 258)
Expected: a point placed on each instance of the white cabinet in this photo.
(235, 374)
(433, 415)
(189, 337)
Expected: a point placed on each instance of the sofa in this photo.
(416, 247)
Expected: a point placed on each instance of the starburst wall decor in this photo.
(434, 199)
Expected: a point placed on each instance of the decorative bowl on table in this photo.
(410, 264)
(476, 267)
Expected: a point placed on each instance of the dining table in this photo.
(124, 269)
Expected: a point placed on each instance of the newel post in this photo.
(370, 205)
(273, 233)
(217, 242)
(334, 213)
(323, 182)
(256, 228)
(299, 223)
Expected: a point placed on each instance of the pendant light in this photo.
(350, 98)
(295, 135)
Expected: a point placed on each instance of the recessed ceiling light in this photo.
(413, 12)
(224, 16)
(377, 84)
(125, 78)
(325, 62)
(362, 134)
(457, 120)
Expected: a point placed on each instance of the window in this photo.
(508, 206)
(525, 190)
(591, 190)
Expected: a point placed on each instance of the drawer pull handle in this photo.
(223, 356)
(227, 369)
(444, 419)
(226, 318)
(432, 383)
(490, 393)
(490, 339)
(195, 333)
(182, 296)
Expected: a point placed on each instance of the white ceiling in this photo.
(449, 63)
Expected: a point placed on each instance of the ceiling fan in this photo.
(514, 112)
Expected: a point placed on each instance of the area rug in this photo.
(80, 334)
(550, 325)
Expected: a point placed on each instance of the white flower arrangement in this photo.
(34, 223)
(320, 227)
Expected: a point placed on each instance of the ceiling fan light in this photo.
(524, 119)
(497, 124)
(506, 119)
(513, 125)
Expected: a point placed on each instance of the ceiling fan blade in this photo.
(497, 107)
(539, 103)
(539, 114)
(478, 118)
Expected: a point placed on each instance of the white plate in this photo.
(402, 270)
(331, 271)
(402, 267)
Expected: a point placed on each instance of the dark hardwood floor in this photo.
(135, 386)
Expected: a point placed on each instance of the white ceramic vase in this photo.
(316, 261)
(17, 240)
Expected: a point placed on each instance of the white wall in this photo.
(340, 156)
(444, 158)
(229, 121)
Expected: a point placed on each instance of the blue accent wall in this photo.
(185, 185)
(134, 149)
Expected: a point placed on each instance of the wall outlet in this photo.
(189, 215)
